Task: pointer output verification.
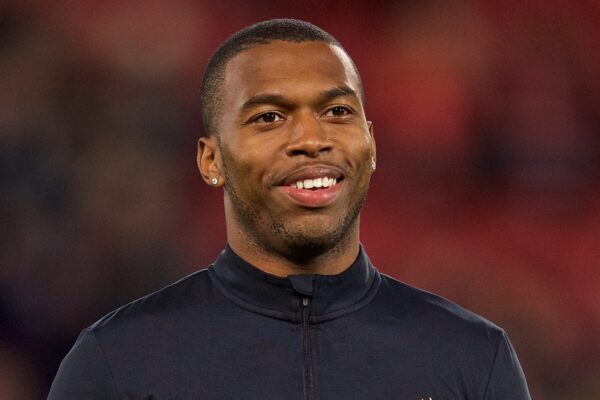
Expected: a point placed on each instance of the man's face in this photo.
(296, 151)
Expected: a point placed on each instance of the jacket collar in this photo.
(330, 295)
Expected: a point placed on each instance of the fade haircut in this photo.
(288, 30)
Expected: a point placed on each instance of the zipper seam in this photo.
(308, 378)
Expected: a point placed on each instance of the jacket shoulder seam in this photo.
(105, 359)
(489, 378)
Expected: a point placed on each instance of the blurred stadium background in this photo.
(487, 117)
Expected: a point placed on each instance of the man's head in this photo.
(288, 30)
(288, 139)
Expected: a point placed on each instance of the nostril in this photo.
(297, 152)
(308, 149)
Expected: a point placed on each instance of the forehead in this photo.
(288, 69)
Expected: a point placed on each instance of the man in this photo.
(292, 308)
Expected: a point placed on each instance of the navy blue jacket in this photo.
(235, 332)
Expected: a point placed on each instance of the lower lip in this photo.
(312, 198)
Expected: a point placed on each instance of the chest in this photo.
(266, 358)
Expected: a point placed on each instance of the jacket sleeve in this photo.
(506, 380)
(83, 373)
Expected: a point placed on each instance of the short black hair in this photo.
(265, 32)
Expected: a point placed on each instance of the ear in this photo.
(209, 161)
(373, 146)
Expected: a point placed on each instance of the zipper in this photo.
(308, 374)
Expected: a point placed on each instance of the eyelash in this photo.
(258, 117)
(347, 111)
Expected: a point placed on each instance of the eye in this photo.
(268, 118)
(338, 111)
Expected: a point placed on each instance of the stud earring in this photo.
(373, 165)
(214, 181)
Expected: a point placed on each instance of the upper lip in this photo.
(312, 172)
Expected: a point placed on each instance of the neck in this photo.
(282, 263)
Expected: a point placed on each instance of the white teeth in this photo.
(315, 183)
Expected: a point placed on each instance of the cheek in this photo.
(255, 159)
(363, 167)
(247, 172)
(363, 153)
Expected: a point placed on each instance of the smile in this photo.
(315, 184)
(312, 197)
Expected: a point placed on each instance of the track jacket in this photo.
(234, 332)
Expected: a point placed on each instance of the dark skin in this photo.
(288, 110)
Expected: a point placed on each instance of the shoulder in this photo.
(170, 303)
(436, 316)
(456, 343)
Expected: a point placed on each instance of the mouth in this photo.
(313, 187)
(315, 184)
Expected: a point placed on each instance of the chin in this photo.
(311, 240)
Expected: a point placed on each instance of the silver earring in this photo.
(373, 165)
(214, 181)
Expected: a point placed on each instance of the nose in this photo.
(307, 137)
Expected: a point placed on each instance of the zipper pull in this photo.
(305, 301)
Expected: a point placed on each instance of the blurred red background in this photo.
(487, 120)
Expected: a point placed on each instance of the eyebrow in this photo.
(339, 91)
(261, 99)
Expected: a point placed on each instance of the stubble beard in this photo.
(295, 244)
